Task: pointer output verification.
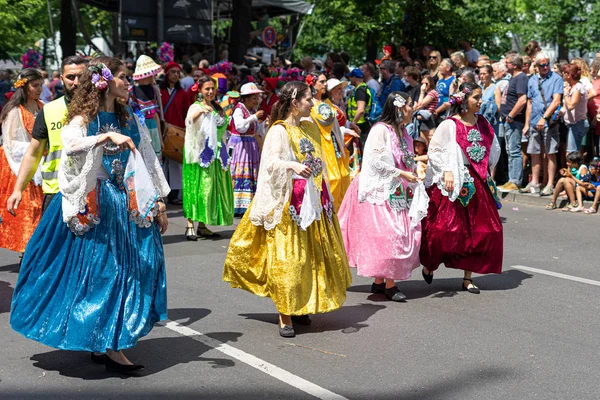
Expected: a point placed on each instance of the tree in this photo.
(23, 23)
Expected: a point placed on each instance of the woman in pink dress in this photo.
(381, 212)
(464, 234)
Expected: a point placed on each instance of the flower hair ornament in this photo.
(101, 75)
(166, 53)
(459, 97)
(399, 101)
(294, 93)
(21, 82)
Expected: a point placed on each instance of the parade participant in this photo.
(175, 104)
(45, 136)
(17, 118)
(270, 95)
(464, 234)
(93, 275)
(359, 104)
(243, 147)
(289, 246)
(323, 114)
(145, 97)
(382, 237)
(207, 187)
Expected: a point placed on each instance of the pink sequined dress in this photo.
(380, 215)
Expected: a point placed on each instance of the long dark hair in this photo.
(389, 114)
(316, 76)
(201, 81)
(456, 107)
(20, 95)
(87, 99)
(282, 108)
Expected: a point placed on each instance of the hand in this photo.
(541, 124)
(353, 132)
(13, 202)
(355, 127)
(410, 177)
(423, 87)
(260, 114)
(161, 218)
(448, 182)
(302, 170)
(526, 130)
(122, 141)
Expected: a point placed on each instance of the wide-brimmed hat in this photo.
(145, 67)
(333, 83)
(249, 88)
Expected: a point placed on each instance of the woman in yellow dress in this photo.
(324, 114)
(289, 246)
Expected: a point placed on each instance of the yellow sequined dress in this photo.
(334, 154)
(289, 246)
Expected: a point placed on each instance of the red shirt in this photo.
(177, 111)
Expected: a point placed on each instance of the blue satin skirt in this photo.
(103, 290)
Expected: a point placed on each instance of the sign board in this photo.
(185, 21)
(269, 36)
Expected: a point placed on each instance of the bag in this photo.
(374, 113)
(174, 140)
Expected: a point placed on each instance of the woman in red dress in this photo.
(462, 228)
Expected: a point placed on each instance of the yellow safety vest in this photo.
(55, 114)
(352, 105)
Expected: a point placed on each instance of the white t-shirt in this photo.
(373, 84)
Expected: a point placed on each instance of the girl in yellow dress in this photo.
(289, 246)
(324, 115)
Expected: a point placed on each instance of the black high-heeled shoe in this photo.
(113, 366)
(470, 287)
(98, 359)
(428, 278)
(190, 234)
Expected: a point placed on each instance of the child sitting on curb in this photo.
(589, 190)
(571, 176)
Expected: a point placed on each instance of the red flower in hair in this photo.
(194, 87)
(310, 80)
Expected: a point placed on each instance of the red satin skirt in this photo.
(468, 238)
(15, 232)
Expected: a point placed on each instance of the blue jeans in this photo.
(576, 133)
(512, 134)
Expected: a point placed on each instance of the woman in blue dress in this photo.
(93, 274)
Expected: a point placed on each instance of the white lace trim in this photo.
(16, 140)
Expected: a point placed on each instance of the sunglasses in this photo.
(544, 65)
(432, 57)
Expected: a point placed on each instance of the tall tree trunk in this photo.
(240, 30)
(372, 46)
(68, 34)
(116, 40)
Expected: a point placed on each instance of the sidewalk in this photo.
(535, 199)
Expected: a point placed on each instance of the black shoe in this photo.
(378, 287)
(190, 235)
(101, 359)
(113, 366)
(394, 294)
(470, 287)
(205, 232)
(287, 331)
(301, 319)
(428, 278)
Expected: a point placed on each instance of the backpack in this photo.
(374, 113)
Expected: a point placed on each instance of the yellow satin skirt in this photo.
(303, 272)
(338, 171)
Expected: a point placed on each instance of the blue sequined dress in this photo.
(94, 286)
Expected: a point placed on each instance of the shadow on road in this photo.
(6, 293)
(187, 316)
(449, 287)
(14, 268)
(348, 319)
(180, 238)
(156, 354)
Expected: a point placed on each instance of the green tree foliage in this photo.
(23, 23)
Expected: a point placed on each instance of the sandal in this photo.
(205, 232)
(551, 206)
(569, 207)
(590, 210)
(189, 234)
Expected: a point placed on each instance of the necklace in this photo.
(475, 151)
(408, 157)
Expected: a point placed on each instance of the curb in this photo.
(535, 200)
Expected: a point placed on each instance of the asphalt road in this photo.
(528, 335)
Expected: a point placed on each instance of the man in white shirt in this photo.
(368, 70)
(471, 54)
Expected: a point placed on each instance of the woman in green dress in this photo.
(207, 185)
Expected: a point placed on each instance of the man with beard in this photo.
(46, 136)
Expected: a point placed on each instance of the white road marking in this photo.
(255, 362)
(556, 275)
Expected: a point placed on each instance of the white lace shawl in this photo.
(196, 132)
(16, 140)
(81, 161)
(274, 184)
(379, 176)
(446, 155)
(378, 172)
